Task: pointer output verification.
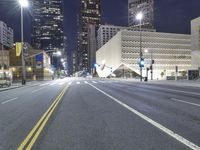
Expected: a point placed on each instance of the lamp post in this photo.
(139, 17)
(23, 3)
(2, 48)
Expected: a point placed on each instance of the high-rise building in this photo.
(6, 35)
(144, 6)
(48, 25)
(90, 14)
(106, 32)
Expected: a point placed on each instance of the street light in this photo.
(23, 3)
(62, 60)
(139, 17)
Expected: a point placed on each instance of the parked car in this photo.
(5, 78)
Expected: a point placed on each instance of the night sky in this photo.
(170, 16)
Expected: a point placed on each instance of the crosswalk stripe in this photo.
(94, 81)
(61, 83)
(77, 82)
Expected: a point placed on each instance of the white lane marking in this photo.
(44, 84)
(85, 82)
(10, 100)
(61, 83)
(178, 100)
(69, 83)
(186, 92)
(152, 122)
(53, 84)
(77, 82)
(94, 81)
(38, 89)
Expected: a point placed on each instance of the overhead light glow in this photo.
(139, 16)
(23, 3)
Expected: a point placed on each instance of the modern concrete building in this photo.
(6, 35)
(195, 43)
(106, 32)
(121, 54)
(144, 6)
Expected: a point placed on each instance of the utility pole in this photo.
(2, 48)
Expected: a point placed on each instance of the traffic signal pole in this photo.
(140, 51)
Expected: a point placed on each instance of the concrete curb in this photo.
(6, 89)
(16, 87)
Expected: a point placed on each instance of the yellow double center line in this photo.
(35, 132)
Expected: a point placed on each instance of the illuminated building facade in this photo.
(144, 6)
(48, 25)
(90, 14)
(6, 35)
(120, 54)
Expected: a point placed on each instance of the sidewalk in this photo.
(19, 85)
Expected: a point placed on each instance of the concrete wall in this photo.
(111, 53)
(195, 45)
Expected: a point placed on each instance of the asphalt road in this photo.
(96, 114)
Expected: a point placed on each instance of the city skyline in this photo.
(47, 23)
(177, 20)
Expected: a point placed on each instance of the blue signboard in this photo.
(39, 57)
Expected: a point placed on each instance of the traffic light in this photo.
(141, 63)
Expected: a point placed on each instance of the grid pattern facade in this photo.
(106, 32)
(90, 14)
(195, 46)
(168, 50)
(6, 35)
(48, 25)
(144, 6)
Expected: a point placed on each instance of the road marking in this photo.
(61, 83)
(186, 92)
(178, 100)
(77, 82)
(152, 122)
(69, 83)
(44, 84)
(30, 140)
(85, 82)
(38, 89)
(53, 84)
(94, 81)
(10, 100)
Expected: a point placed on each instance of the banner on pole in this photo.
(18, 49)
